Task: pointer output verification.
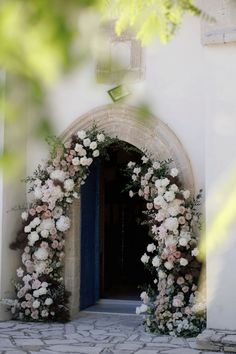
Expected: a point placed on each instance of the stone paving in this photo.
(90, 333)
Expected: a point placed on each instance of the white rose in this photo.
(33, 237)
(156, 261)
(58, 175)
(183, 262)
(83, 161)
(177, 302)
(195, 252)
(81, 134)
(144, 159)
(82, 152)
(165, 182)
(44, 233)
(161, 274)
(89, 161)
(168, 265)
(174, 172)
(143, 308)
(47, 224)
(174, 188)
(151, 247)
(131, 164)
(169, 196)
(78, 147)
(38, 193)
(96, 153)
(86, 142)
(183, 242)
(144, 296)
(41, 254)
(93, 145)
(48, 301)
(69, 184)
(20, 272)
(36, 304)
(137, 170)
(171, 223)
(158, 183)
(44, 284)
(42, 291)
(76, 161)
(131, 194)
(27, 229)
(159, 200)
(63, 223)
(24, 215)
(145, 258)
(44, 313)
(100, 137)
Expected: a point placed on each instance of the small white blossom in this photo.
(36, 304)
(156, 262)
(144, 159)
(48, 301)
(93, 145)
(186, 194)
(41, 254)
(183, 262)
(24, 215)
(96, 153)
(69, 185)
(145, 258)
(174, 172)
(76, 161)
(81, 134)
(151, 247)
(63, 223)
(195, 252)
(86, 142)
(58, 175)
(100, 137)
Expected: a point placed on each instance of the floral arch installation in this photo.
(49, 236)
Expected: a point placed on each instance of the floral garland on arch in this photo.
(172, 304)
(40, 291)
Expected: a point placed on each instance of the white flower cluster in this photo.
(44, 225)
(172, 219)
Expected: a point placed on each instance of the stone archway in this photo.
(153, 135)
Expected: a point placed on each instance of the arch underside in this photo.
(151, 135)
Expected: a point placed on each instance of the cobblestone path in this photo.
(90, 333)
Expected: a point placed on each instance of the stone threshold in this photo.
(217, 340)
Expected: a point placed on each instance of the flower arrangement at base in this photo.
(40, 291)
(172, 304)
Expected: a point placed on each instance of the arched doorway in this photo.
(152, 135)
(112, 236)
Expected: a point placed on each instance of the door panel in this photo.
(90, 235)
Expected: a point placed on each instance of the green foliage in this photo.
(150, 18)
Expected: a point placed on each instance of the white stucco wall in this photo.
(192, 89)
(220, 95)
(172, 88)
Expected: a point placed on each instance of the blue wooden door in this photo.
(90, 237)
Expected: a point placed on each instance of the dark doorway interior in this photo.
(123, 240)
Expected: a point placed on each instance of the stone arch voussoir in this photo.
(150, 134)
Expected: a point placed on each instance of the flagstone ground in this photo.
(90, 333)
